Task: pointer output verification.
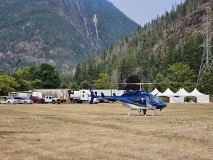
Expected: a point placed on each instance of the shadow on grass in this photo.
(148, 115)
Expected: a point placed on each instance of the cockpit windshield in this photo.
(156, 99)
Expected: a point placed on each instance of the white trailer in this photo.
(81, 96)
(74, 96)
(85, 96)
(24, 94)
(39, 94)
(58, 93)
(120, 92)
(107, 92)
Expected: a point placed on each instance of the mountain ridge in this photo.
(61, 33)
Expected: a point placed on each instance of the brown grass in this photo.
(103, 131)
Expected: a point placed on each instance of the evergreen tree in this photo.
(74, 85)
(63, 85)
(103, 82)
(49, 76)
(84, 85)
(205, 84)
(181, 76)
(92, 74)
(192, 52)
(161, 82)
(77, 74)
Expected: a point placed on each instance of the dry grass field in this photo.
(104, 131)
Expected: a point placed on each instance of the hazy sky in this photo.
(143, 11)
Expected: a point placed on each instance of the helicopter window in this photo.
(143, 100)
(136, 101)
(155, 99)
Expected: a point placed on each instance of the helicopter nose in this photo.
(161, 106)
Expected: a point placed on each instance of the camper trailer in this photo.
(24, 94)
(68, 95)
(58, 93)
(107, 92)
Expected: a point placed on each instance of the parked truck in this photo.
(37, 99)
(52, 99)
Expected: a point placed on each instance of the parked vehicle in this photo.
(81, 96)
(23, 100)
(52, 99)
(61, 94)
(37, 99)
(7, 99)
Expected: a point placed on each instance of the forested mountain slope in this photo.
(176, 36)
(59, 32)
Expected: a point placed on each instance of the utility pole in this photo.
(207, 59)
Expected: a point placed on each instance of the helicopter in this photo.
(136, 100)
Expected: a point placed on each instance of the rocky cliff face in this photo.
(192, 23)
(61, 33)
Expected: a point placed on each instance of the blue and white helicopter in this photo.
(136, 100)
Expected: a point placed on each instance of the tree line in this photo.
(46, 77)
(29, 78)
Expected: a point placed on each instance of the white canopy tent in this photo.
(178, 97)
(201, 98)
(182, 92)
(155, 91)
(195, 92)
(166, 93)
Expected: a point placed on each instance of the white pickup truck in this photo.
(52, 99)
